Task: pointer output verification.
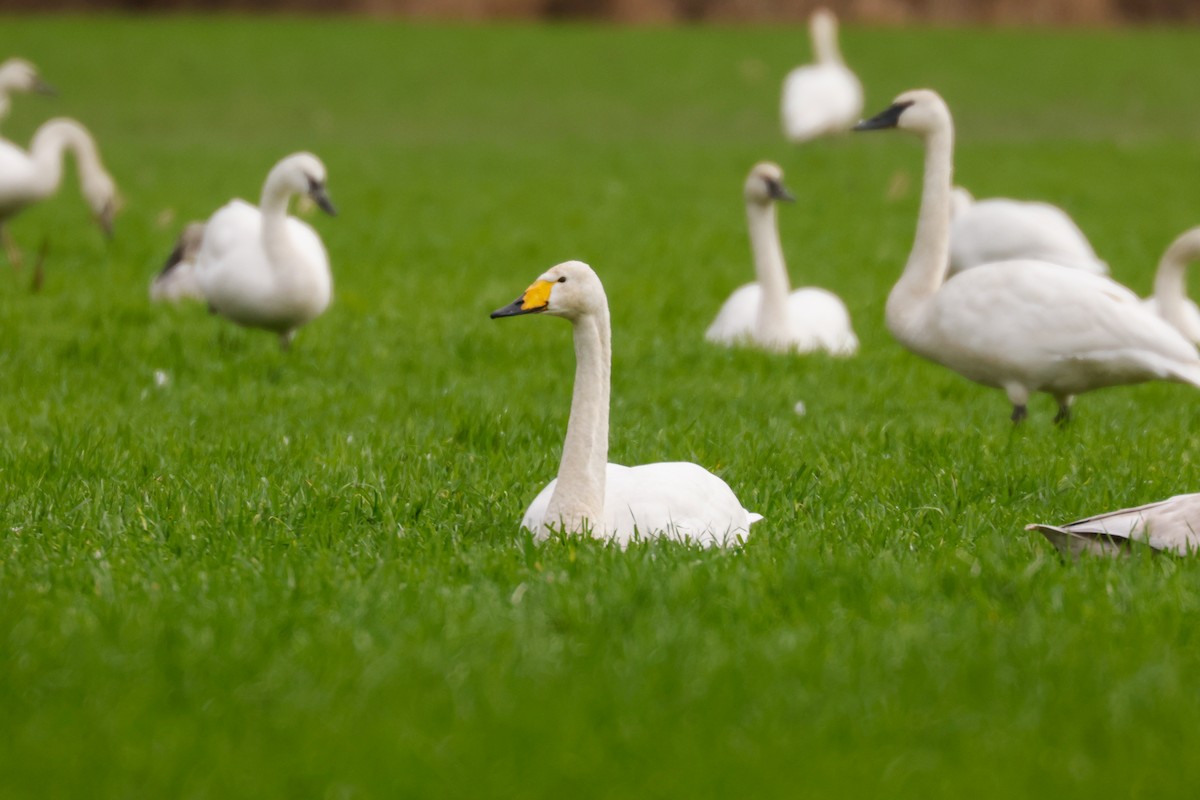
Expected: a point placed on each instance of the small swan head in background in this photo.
(921, 111)
(570, 290)
(19, 75)
(304, 174)
(764, 185)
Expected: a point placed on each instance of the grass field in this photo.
(301, 575)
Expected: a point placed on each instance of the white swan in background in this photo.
(999, 229)
(764, 312)
(255, 265)
(676, 500)
(822, 98)
(1171, 525)
(1022, 326)
(1170, 300)
(28, 177)
(18, 75)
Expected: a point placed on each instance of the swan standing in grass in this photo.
(999, 229)
(1171, 525)
(677, 500)
(255, 265)
(1170, 300)
(27, 177)
(764, 312)
(1022, 326)
(18, 75)
(822, 98)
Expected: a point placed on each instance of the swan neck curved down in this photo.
(1170, 282)
(49, 144)
(770, 271)
(578, 500)
(929, 259)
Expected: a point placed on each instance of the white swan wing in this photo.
(1052, 327)
(677, 500)
(1172, 525)
(998, 229)
(736, 319)
(820, 99)
(819, 320)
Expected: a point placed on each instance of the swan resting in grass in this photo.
(765, 313)
(1170, 300)
(1171, 525)
(255, 265)
(18, 75)
(676, 500)
(822, 98)
(29, 177)
(1022, 326)
(999, 229)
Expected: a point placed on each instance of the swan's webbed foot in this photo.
(1019, 414)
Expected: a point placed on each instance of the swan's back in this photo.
(1191, 318)
(820, 99)
(1172, 525)
(819, 320)
(1050, 327)
(998, 229)
(676, 500)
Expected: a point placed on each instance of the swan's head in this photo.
(570, 290)
(17, 74)
(823, 24)
(100, 192)
(922, 111)
(764, 184)
(303, 173)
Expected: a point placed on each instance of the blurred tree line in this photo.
(893, 12)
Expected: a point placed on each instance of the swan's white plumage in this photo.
(1023, 326)
(999, 229)
(1171, 525)
(822, 98)
(674, 500)
(255, 265)
(766, 313)
(18, 75)
(1170, 300)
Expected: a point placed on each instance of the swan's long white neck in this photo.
(771, 272)
(925, 271)
(1170, 284)
(825, 42)
(47, 148)
(274, 206)
(578, 499)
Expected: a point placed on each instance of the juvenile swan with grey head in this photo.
(1023, 326)
(674, 500)
(767, 313)
(255, 265)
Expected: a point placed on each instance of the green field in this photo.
(301, 575)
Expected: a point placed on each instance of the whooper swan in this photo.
(1022, 326)
(255, 265)
(676, 500)
(822, 98)
(764, 312)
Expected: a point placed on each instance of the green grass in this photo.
(301, 575)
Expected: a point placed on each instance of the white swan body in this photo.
(999, 229)
(28, 177)
(1022, 326)
(677, 500)
(822, 98)
(765, 313)
(255, 265)
(1171, 525)
(18, 75)
(1170, 300)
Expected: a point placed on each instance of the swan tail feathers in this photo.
(177, 280)
(1072, 544)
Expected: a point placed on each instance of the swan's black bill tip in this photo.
(515, 309)
(888, 118)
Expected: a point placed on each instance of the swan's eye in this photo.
(313, 184)
(563, 279)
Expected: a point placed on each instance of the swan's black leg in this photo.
(1019, 414)
(1064, 414)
